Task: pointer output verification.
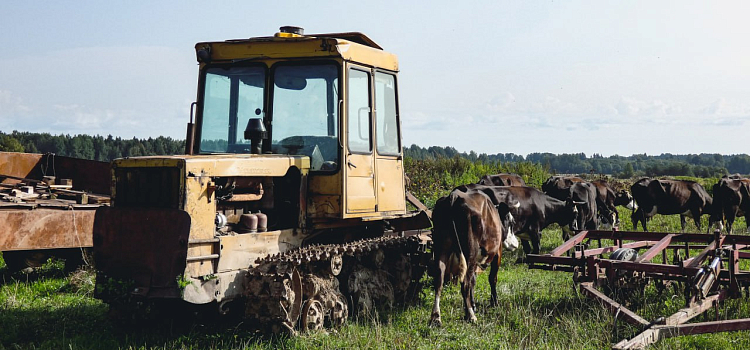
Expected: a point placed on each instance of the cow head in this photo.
(510, 241)
(624, 198)
(550, 183)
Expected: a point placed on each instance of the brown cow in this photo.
(731, 199)
(502, 179)
(467, 231)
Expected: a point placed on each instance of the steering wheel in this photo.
(292, 143)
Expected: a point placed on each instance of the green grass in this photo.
(537, 310)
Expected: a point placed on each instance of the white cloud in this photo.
(10, 104)
(716, 107)
(501, 102)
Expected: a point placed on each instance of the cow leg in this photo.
(617, 216)
(526, 246)
(683, 222)
(438, 280)
(466, 288)
(494, 268)
(471, 291)
(535, 237)
(639, 215)
(697, 218)
(565, 233)
(730, 221)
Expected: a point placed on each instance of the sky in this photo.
(606, 77)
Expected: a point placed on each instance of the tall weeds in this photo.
(434, 178)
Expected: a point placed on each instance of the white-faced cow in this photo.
(535, 212)
(731, 199)
(502, 179)
(669, 197)
(467, 232)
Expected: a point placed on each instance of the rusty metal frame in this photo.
(592, 270)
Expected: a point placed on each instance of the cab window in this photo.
(359, 127)
(386, 123)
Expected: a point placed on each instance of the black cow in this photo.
(467, 231)
(731, 199)
(559, 186)
(639, 189)
(584, 194)
(669, 197)
(607, 201)
(503, 179)
(535, 212)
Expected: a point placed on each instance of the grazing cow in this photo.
(559, 186)
(467, 232)
(535, 212)
(731, 199)
(607, 201)
(503, 179)
(669, 197)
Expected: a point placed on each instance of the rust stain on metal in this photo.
(45, 228)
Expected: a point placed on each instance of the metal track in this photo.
(321, 285)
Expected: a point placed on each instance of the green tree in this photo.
(10, 144)
(627, 171)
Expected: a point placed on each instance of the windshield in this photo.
(231, 97)
(305, 113)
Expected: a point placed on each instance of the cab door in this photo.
(389, 167)
(359, 166)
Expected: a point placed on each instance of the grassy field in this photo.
(538, 310)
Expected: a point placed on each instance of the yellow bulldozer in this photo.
(289, 205)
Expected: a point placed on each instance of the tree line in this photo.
(108, 148)
(89, 147)
(698, 165)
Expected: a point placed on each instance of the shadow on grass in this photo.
(89, 327)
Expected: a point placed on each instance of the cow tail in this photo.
(745, 191)
(462, 265)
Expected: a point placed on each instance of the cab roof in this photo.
(351, 46)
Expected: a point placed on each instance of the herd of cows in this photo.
(473, 224)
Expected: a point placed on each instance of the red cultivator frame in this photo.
(710, 276)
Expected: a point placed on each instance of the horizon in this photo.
(588, 155)
(494, 77)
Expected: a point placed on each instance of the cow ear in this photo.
(503, 209)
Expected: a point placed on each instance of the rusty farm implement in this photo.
(704, 268)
